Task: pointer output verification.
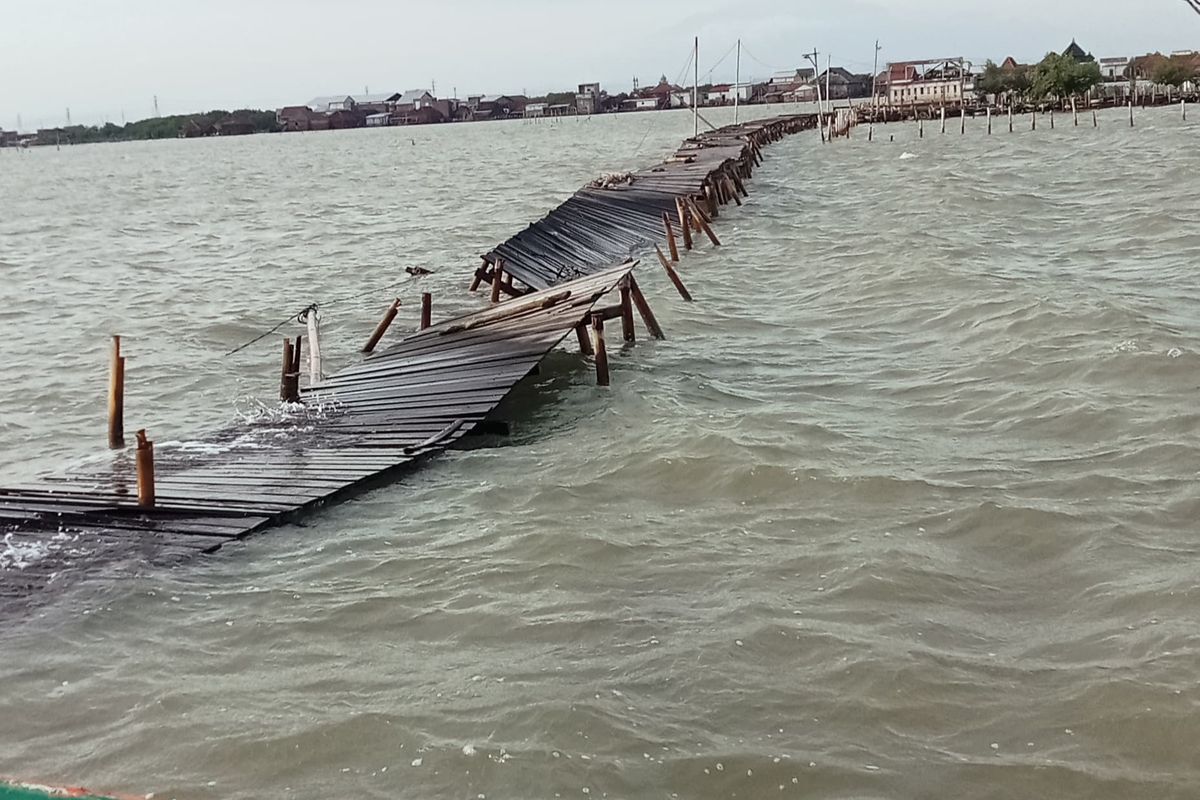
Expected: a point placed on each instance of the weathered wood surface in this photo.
(601, 226)
(360, 426)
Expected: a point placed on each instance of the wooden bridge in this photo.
(375, 419)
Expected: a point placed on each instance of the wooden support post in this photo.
(1131, 112)
(388, 317)
(962, 121)
(145, 470)
(1051, 118)
(685, 224)
(497, 276)
(1183, 108)
(585, 341)
(627, 331)
(707, 230)
(478, 279)
(1033, 120)
(920, 127)
(670, 237)
(732, 191)
(426, 309)
(1075, 112)
(674, 276)
(601, 350)
(643, 308)
(296, 354)
(284, 375)
(1095, 121)
(713, 211)
(740, 186)
(116, 397)
(989, 120)
(943, 119)
(1010, 118)
(315, 376)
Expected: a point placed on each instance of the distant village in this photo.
(919, 82)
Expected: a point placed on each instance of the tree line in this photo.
(1061, 76)
(168, 127)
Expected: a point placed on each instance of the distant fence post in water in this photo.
(116, 397)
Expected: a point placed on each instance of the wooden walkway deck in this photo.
(379, 417)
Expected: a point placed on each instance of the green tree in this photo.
(1174, 71)
(996, 80)
(1061, 76)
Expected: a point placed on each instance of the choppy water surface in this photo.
(905, 506)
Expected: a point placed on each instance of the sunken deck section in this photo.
(375, 419)
(361, 426)
(602, 225)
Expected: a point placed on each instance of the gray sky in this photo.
(103, 58)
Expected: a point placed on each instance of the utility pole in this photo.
(813, 57)
(875, 76)
(737, 83)
(696, 91)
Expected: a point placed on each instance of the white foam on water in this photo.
(19, 555)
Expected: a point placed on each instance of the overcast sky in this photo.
(105, 59)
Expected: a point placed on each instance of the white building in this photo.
(725, 93)
(1114, 69)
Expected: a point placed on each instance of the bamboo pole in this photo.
(426, 309)
(684, 224)
(600, 349)
(116, 397)
(670, 237)
(673, 275)
(388, 317)
(145, 470)
(643, 308)
(315, 376)
(627, 331)
(707, 230)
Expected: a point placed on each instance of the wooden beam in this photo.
(643, 308)
(388, 317)
(116, 397)
(601, 350)
(673, 275)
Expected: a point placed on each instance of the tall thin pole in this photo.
(696, 91)
(828, 69)
(875, 76)
(737, 83)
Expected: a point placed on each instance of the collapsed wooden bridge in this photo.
(375, 419)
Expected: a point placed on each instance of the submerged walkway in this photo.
(373, 420)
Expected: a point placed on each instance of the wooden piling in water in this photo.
(585, 339)
(116, 397)
(627, 331)
(920, 127)
(673, 275)
(1075, 112)
(643, 308)
(962, 122)
(989, 120)
(943, 119)
(1052, 118)
(1131, 112)
(1095, 120)
(684, 224)
(497, 274)
(670, 237)
(1010, 118)
(426, 309)
(704, 226)
(145, 470)
(1183, 108)
(388, 317)
(285, 392)
(478, 279)
(601, 351)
